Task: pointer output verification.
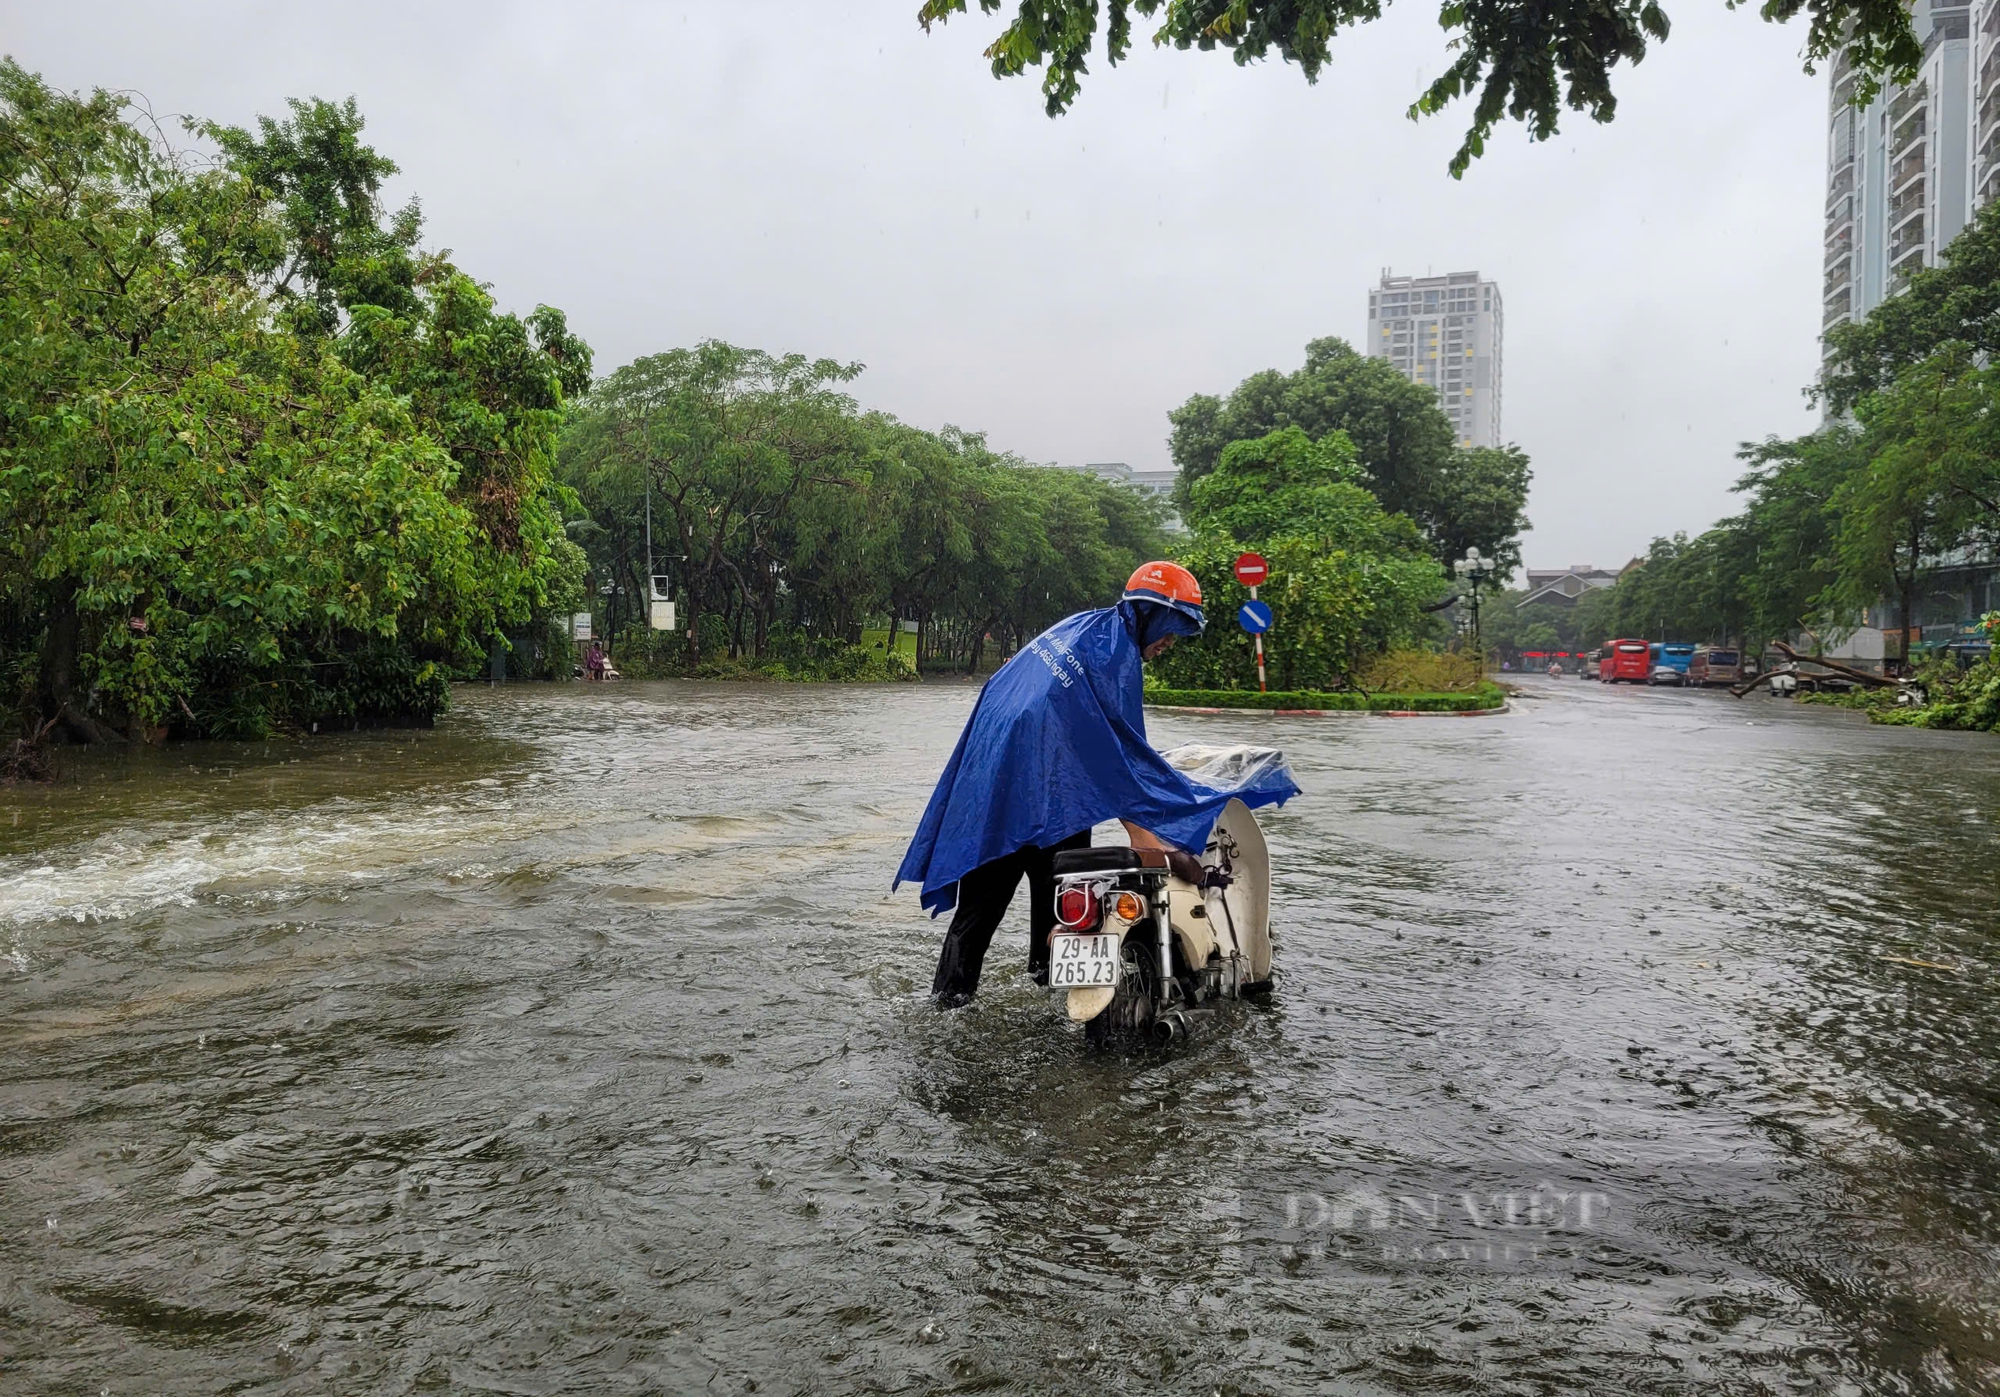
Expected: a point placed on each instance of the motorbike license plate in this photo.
(1083, 962)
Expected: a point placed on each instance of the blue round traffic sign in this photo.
(1254, 617)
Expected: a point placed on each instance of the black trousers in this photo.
(983, 898)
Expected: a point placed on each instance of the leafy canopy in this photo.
(226, 501)
(1526, 61)
(1403, 443)
(785, 510)
(1348, 579)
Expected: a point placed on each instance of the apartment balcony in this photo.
(1910, 99)
(1911, 205)
(1989, 17)
(1834, 314)
(1840, 183)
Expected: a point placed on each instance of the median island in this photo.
(1484, 698)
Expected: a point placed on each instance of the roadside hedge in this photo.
(1487, 696)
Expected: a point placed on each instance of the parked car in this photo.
(1666, 674)
(1715, 664)
(1629, 661)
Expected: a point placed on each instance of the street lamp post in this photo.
(1476, 572)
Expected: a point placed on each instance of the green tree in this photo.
(1404, 445)
(338, 251)
(782, 509)
(210, 520)
(1900, 511)
(1348, 579)
(727, 439)
(1957, 301)
(1524, 62)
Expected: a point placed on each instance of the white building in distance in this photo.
(1906, 172)
(1562, 586)
(1444, 332)
(1154, 482)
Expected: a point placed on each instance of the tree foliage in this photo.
(785, 515)
(1525, 62)
(1348, 578)
(1955, 302)
(241, 483)
(1459, 497)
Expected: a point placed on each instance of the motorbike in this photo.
(1142, 953)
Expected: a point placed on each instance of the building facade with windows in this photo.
(1906, 171)
(1444, 332)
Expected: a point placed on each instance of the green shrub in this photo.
(789, 656)
(1420, 672)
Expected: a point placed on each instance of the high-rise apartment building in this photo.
(1444, 332)
(1905, 172)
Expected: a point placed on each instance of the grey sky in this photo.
(819, 176)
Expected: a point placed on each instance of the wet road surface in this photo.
(1631, 1041)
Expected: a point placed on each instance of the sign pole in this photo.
(1254, 616)
(1259, 638)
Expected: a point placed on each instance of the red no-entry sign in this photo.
(1251, 569)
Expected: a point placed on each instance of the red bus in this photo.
(1630, 660)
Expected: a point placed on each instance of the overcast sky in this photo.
(824, 177)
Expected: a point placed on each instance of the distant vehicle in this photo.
(1715, 664)
(1674, 656)
(1629, 661)
(1968, 652)
(1666, 674)
(1588, 668)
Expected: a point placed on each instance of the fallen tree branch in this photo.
(28, 759)
(1859, 676)
(1764, 677)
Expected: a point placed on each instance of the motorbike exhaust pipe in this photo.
(1171, 1026)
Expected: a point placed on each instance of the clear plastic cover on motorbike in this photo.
(1242, 910)
(1232, 769)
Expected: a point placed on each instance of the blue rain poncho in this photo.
(1057, 744)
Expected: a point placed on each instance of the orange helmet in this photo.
(1169, 585)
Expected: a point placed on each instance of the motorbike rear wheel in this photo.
(1129, 1016)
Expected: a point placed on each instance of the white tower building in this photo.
(1444, 332)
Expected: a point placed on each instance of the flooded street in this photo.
(577, 1046)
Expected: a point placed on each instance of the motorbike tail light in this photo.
(1076, 907)
(1127, 907)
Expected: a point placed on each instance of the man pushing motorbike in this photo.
(1057, 744)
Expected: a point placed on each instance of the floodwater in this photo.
(1628, 1042)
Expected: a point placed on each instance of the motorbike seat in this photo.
(1106, 858)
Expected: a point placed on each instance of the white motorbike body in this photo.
(1139, 950)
